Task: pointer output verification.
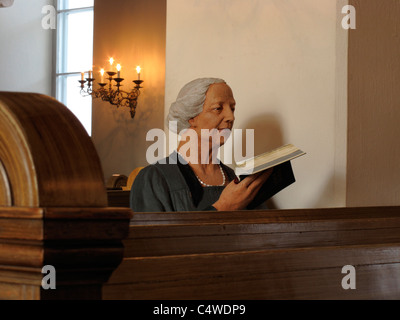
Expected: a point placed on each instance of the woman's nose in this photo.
(229, 115)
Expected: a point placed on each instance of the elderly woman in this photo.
(194, 182)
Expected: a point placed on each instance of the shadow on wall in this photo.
(144, 115)
(268, 135)
(120, 140)
(329, 195)
(267, 132)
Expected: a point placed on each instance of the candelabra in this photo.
(114, 96)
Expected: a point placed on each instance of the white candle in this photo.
(102, 75)
(138, 71)
(119, 69)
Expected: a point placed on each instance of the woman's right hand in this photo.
(236, 196)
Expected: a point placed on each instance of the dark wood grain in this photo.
(174, 233)
(53, 203)
(290, 273)
(276, 254)
(47, 154)
(118, 198)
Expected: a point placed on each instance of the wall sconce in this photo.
(116, 97)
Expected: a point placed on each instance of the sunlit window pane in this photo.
(72, 4)
(74, 55)
(80, 41)
(79, 105)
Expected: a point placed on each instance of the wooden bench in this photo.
(277, 254)
(54, 212)
(53, 204)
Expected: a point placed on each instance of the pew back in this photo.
(277, 254)
(53, 204)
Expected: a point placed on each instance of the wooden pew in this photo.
(277, 254)
(54, 212)
(53, 204)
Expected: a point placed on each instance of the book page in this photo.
(269, 159)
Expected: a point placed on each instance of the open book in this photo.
(268, 159)
(281, 176)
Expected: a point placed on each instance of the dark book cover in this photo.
(281, 177)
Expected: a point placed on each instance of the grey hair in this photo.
(189, 102)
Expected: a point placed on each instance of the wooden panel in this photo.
(303, 273)
(373, 153)
(26, 254)
(17, 159)
(5, 188)
(21, 213)
(22, 275)
(48, 156)
(234, 240)
(170, 234)
(82, 244)
(63, 223)
(266, 216)
(26, 229)
(118, 198)
(276, 254)
(50, 174)
(25, 292)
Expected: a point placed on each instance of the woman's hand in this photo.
(236, 196)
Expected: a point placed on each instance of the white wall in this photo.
(284, 62)
(26, 48)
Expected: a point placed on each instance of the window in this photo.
(74, 54)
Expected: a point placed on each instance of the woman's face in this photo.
(218, 112)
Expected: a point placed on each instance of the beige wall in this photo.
(286, 63)
(133, 33)
(374, 105)
(26, 48)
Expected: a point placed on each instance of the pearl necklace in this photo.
(209, 185)
(205, 184)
